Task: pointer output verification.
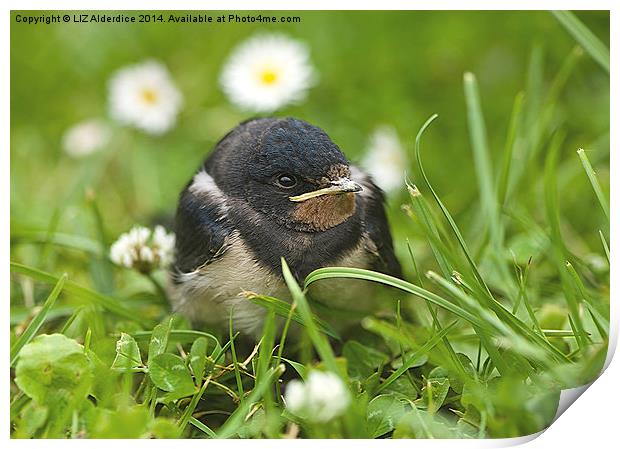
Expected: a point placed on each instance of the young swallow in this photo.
(274, 188)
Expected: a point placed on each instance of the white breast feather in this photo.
(210, 293)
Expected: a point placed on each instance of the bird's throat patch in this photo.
(324, 212)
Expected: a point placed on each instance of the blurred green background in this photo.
(375, 68)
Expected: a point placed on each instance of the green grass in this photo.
(36, 323)
(600, 196)
(502, 231)
(585, 37)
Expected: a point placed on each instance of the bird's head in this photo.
(289, 171)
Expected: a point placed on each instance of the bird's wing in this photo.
(377, 230)
(202, 227)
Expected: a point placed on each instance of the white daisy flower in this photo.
(267, 72)
(143, 250)
(321, 398)
(386, 159)
(144, 96)
(85, 138)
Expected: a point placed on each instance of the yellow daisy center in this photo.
(268, 76)
(149, 96)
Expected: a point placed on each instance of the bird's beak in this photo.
(342, 185)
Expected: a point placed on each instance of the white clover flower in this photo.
(267, 72)
(143, 250)
(85, 138)
(321, 398)
(144, 96)
(163, 242)
(386, 159)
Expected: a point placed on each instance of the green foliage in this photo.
(159, 340)
(434, 393)
(504, 299)
(53, 370)
(421, 424)
(169, 373)
(198, 357)
(384, 411)
(127, 354)
(362, 361)
(37, 321)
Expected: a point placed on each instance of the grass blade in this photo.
(482, 160)
(526, 300)
(557, 242)
(189, 410)
(534, 94)
(202, 427)
(582, 34)
(597, 318)
(445, 211)
(417, 354)
(515, 120)
(279, 357)
(38, 320)
(594, 181)
(504, 325)
(473, 314)
(551, 333)
(265, 354)
(605, 245)
(282, 308)
(318, 340)
(491, 198)
(75, 242)
(436, 324)
(539, 114)
(423, 216)
(358, 273)
(176, 335)
(229, 428)
(51, 229)
(107, 302)
(558, 83)
(101, 267)
(233, 352)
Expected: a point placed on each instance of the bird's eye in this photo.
(286, 181)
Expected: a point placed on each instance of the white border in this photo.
(591, 420)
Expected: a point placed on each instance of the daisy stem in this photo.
(158, 287)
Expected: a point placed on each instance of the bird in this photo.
(274, 188)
